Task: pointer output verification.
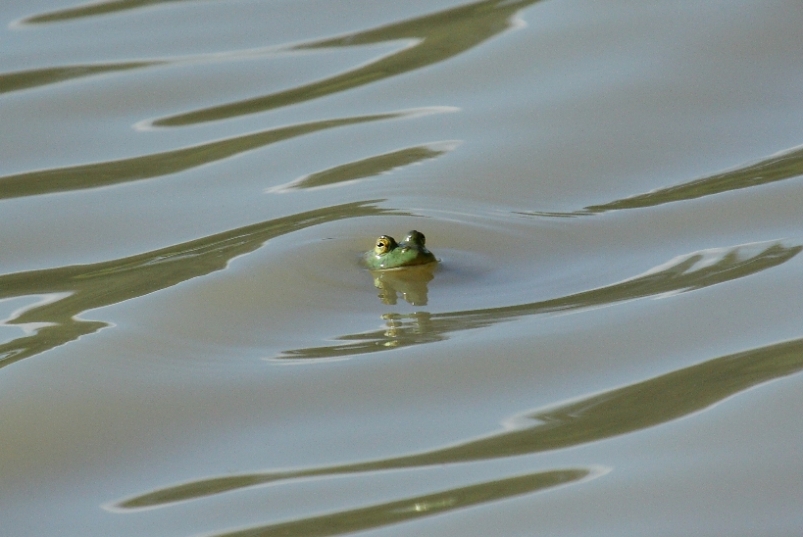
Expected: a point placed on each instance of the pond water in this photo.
(611, 343)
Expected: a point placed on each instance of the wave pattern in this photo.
(435, 38)
(685, 273)
(612, 413)
(155, 165)
(95, 9)
(64, 294)
(86, 287)
(386, 514)
(782, 166)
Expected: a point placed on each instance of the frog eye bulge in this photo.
(384, 244)
(389, 254)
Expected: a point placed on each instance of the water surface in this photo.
(610, 344)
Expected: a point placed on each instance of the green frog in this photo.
(388, 254)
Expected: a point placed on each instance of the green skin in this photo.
(388, 254)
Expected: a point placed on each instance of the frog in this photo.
(388, 254)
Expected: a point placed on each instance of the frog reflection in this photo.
(410, 283)
(402, 329)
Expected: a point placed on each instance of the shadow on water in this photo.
(685, 273)
(434, 38)
(376, 516)
(612, 413)
(76, 289)
(169, 162)
(778, 167)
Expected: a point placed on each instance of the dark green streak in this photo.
(378, 516)
(779, 167)
(613, 413)
(94, 9)
(101, 284)
(159, 164)
(441, 36)
(369, 167)
(776, 168)
(33, 78)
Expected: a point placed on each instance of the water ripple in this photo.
(684, 273)
(369, 167)
(93, 9)
(432, 38)
(619, 411)
(381, 515)
(155, 165)
(783, 165)
(34, 78)
(86, 287)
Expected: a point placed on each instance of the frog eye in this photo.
(384, 244)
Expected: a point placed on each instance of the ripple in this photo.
(591, 418)
(369, 167)
(787, 164)
(80, 288)
(382, 515)
(685, 273)
(34, 78)
(432, 39)
(93, 9)
(155, 165)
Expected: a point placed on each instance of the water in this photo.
(610, 345)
